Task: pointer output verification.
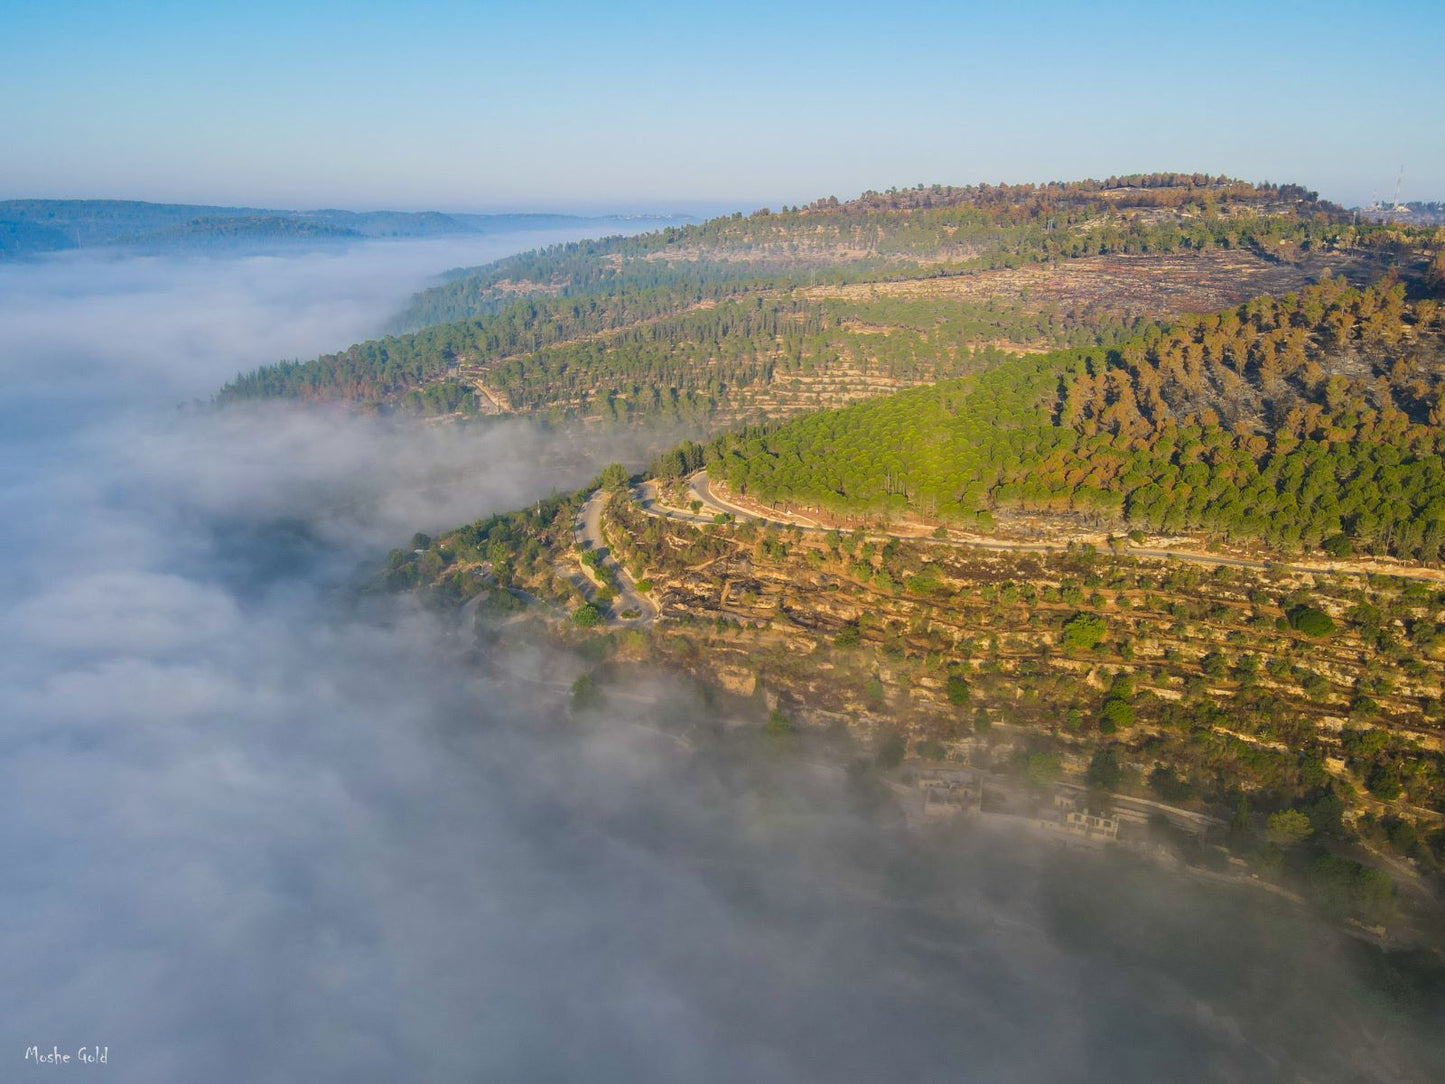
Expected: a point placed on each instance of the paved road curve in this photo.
(701, 488)
(588, 534)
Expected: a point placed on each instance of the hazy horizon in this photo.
(697, 210)
(482, 107)
(575, 210)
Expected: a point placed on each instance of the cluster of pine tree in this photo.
(1296, 420)
(570, 290)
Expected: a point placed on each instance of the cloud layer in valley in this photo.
(164, 329)
(251, 833)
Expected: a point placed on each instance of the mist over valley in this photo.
(262, 824)
(762, 544)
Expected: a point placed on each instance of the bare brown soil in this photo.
(1165, 285)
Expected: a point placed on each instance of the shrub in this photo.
(1118, 713)
(1384, 782)
(1345, 886)
(1166, 783)
(1104, 769)
(1042, 768)
(1083, 632)
(1402, 835)
(1288, 826)
(498, 600)
(585, 693)
(613, 476)
(778, 724)
(891, 750)
(1310, 621)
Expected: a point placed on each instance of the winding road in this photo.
(647, 497)
(587, 531)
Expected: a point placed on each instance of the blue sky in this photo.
(630, 105)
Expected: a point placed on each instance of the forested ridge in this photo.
(1316, 418)
(710, 360)
(1299, 709)
(1311, 418)
(380, 368)
(882, 234)
(573, 291)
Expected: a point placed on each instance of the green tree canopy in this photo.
(1288, 826)
(1310, 620)
(1083, 632)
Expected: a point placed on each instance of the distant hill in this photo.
(903, 233)
(34, 227)
(25, 238)
(245, 232)
(782, 312)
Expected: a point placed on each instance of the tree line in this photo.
(1300, 420)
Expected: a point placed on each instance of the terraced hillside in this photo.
(1318, 418)
(1133, 489)
(766, 316)
(902, 233)
(1304, 711)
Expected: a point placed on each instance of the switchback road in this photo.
(588, 535)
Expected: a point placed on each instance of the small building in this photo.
(1092, 825)
(948, 791)
(1071, 814)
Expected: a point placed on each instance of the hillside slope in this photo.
(900, 286)
(1316, 417)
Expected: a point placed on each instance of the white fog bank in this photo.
(250, 834)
